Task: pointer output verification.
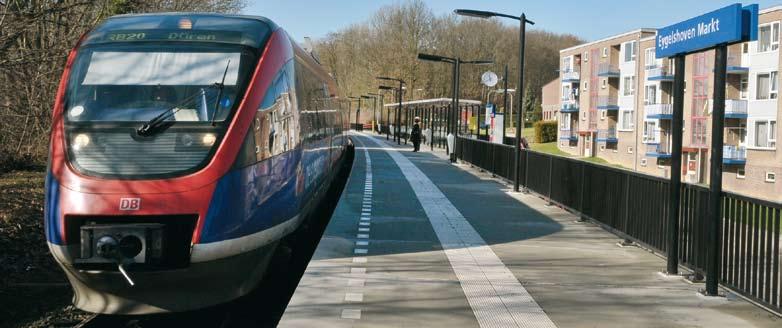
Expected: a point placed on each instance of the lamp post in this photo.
(358, 110)
(523, 21)
(374, 110)
(388, 111)
(399, 109)
(457, 62)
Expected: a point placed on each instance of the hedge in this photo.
(545, 131)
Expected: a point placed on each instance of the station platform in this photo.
(416, 241)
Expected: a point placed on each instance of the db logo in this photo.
(129, 204)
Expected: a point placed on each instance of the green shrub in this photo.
(545, 131)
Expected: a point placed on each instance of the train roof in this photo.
(272, 25)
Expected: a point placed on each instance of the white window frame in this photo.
(586, 56)
(586, 85)
(628, 85)
(741, 173)
(643, 161)
(629, 149)
(771, 136)
(603, 115)
(650, 60)
(566, 91)
(632, 48)
(650, 135)
(744, 88)
(648, 101)
(564, 125)
(773, 45)
(603, 83)
(605, 52)
(771, 177)
(631, 122)
(773, 87)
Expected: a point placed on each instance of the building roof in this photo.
(640, 30)
(433, 101)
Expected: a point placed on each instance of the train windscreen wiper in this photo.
(152, 126)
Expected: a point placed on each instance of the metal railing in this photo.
(606, 69)
(658, 109)
(570, 75)
(608, 135)
(607, 102)
(735, 153)
(659, 72)
(569, 106)
(635, 206)
(735, 107)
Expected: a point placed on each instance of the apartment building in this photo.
(616, 104)
(550, 100)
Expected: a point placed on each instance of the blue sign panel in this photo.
(727, 25)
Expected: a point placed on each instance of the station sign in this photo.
(727, 25)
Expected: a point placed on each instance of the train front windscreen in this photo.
(151, 96)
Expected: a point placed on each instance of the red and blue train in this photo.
(184, 149)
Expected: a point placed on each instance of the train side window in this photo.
(273, 119)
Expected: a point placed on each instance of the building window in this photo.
(567, 64)
(743, 85)
(605, 52)
(602, 147)
(583, 116)
(626, 119)
(565, 122)
(629, 149)
(586, 56)
(745, 48)
(767, 86)
(603, 83)
(643, 161)
(629, 85)
(741, 174)
(630, 49)
(650, 131)
(603, 114)
(586, 85)
(765, 134)
(650, 61)
(768, 37)
(771, 177)
(566, 92)
(650, 94)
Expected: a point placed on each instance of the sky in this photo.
(589, 19)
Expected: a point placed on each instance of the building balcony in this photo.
(735, 66)
(607, 136)
(734, 155)
(572, 76)
(607, 103)
(569, 106)
(659, 73)
(659, 111)
(607, 70)
(736, 108)
(568, 135)
(658, 150)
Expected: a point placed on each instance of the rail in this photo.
(634, 206)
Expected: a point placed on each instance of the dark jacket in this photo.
(415, 134)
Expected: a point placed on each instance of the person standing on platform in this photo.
(415, 134)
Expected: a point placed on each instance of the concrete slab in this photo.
(574, 271)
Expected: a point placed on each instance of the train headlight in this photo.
(80, 141)
(209, 139)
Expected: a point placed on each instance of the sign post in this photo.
(713, 30)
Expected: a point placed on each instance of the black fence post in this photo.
(676, 166)
(715, 180)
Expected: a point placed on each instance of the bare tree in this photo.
(35, 38)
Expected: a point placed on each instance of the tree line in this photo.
(388, 44)
(35, 38)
